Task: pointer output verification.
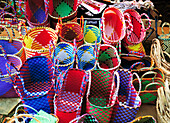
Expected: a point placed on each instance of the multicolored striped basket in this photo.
(113, 31)
(102, 94)
(64, 9)
(6, 86)
(70, 31)
(86, 57)
(85, 118)
(165, 38)
(69, 95)
(108, 58)
(12, 46)
(138, 31)
(128, 101)
(64, 55)
(35, 84)
(36, 12)
(40, 41)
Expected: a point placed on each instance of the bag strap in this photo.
(149, 73)
(136, 64)
(8, 6)
(139, 80)
(149, 25)
(165, 23)
(20, 25)
(154, 83)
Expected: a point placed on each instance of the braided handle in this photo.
(149, 73)
(139, 80)
(148, 20)
(165, 23)
(154, 83)
(9, 6)
(20, 25)
(3, 52)
(135, 64)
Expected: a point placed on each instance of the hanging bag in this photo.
(128, 101)
(101, 95)
(6, 86)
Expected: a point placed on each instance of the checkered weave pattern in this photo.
(39, 41)
(128, 101)
(108, 57)
(35, 81)
(113, 31)
(70, 31)
(64, 52)
(6, 88)
(101, 95)
(36, 12)
(138, 33)
(86, 57)
(69, 99)
(91, 34)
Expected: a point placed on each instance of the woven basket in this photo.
(65, 54)
(69, 94)
(113, 31)
(6, 87)
(86, 57)
(40, 41)
(36, 12)
(102, 94)
(108, 58)
(165, 38)
(70, 31)
(34, 83)
(139, 32)
(144, 119)
(64, 9)
(12, 46)
(128, 101)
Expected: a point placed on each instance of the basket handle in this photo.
(129, 27)
(136, 64)
(165, 23)
(3, 52)
(8, 37)
(149, 73)
(82, 22)
(83, 87)
(8, 6)
(139, 80)
(20, 25)
(153, 83)
(148, 20)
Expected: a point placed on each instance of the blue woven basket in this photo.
(65, 54)
(86, 57)
(35, 83)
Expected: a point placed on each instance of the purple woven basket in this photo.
(6, 86)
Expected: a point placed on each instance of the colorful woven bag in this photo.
(70, 31)
(86, 57)
(128, 101)
(92, 33)
(36, 12)
(35, 83)
(40, 41)
(136, 61)
(6, 86)
(102, 94)
(138, 32)
(113, 31)
(149, 87)
(144, 119)
(65, 55)
(69, 94)
(85, 118)
(166, 38)
(108, 58)
(64, 9)
(10, 45)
